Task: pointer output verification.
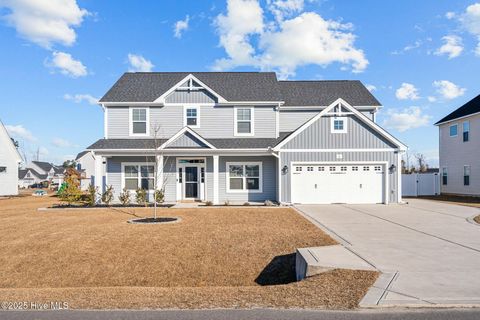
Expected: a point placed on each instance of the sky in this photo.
(58, 57)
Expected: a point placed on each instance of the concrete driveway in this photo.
(428, 251)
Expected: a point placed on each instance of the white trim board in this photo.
(357, 113)
(340, 150)
(252, 122)
(130, 122)
(244, 177)
(183, 131)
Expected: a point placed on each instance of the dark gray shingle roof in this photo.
(237, 143)
(81, 154)
(323, 93)
(471, 107)
(43, 165)
(233, 86)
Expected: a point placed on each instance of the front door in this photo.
(191, 182)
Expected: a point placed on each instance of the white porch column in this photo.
(215, 179)
(99, 175)
(159, 177)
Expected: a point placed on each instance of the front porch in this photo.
(216, 178)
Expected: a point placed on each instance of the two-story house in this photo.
(459, 150)
(9, 161)
(246, 137)
(40, 171)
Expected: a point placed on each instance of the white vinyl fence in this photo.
(420, 184)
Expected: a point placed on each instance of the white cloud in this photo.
(406, 119)
(284, 8)
(45, 22)
(67, 65)
(286, 44)
(407, 91)
(61, 143)
(371, 87)
(431, 99)
(450, 15)
(452, 47)
(20, 132)
(408, 47)
(180, 26)
(470, 21)
(448, 90)
(79, 98)
(139, 64)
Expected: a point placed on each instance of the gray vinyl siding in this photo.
(368, 114)
(319, 136)
(287, 158)
(215, 121)
(187, 141)
(118, 126)
(454, 154)
(201, 96)
(269, 191)
(170, 178)
(291, 120)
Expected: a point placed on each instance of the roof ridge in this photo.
(319, 81)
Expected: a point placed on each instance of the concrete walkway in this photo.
(428, 251)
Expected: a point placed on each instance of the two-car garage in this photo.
(325, 183)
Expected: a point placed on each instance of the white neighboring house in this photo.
(9, 162)
(27, 177)
(39, 171)
(86, 166)
(459, 150)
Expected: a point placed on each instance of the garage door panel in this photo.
(328, 183)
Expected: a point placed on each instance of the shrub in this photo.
(159, 196)
(141, 196)
(124, 197)
(227, 202)
(246, 204)
(71, 191)
(91, 196)
(209, 203)
(107, 196)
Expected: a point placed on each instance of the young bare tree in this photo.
(422, 164)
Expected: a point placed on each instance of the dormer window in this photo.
(139, 121)
(192, 116)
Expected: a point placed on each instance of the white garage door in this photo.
(344, 183)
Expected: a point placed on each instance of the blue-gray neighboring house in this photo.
(246, 137)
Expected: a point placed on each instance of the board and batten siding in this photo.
(288, 158)
(358, 136)
(269, 179)
(454, 154)
(186, 140)
(201, 96)
(215, 121)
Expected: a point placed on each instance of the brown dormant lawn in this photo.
(215, 257)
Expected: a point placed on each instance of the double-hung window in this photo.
(453, 130)
(139, 121)
(192, 116)
(244, 121)
(244, 176)
(466, 175)
(444, 176)
(338, 125)
(139, 177)
(466, 131)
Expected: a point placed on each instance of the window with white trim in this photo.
(244, 176)
(139, 119)
(309, 168)
(378, 168)
(244, 121)
(332, 168)
(466, 131)
(343, 168)
(298, 168)
(444, 176)
(191, 117)
(321, 168)
(355, 168)
(139, 177)
(453, 130)
(338, 125)
(366, 168)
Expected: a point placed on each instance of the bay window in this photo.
(244, 176)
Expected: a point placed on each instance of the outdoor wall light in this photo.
(285, 170)
(392, 168)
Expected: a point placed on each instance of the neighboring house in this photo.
(459, 150)
(46, 172)
(27, 177)
(245, 136)
(86, 166)
(9, 162)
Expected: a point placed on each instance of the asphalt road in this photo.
(263, 314)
